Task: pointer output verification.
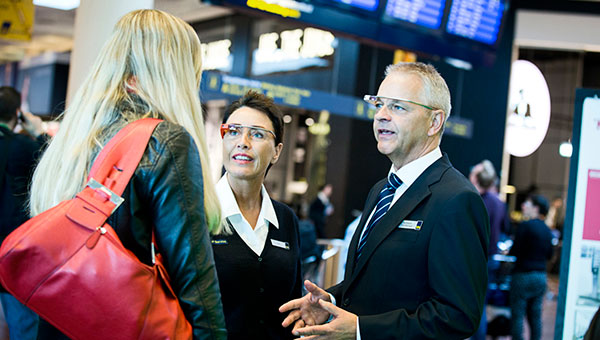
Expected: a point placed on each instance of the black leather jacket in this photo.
(166, 191)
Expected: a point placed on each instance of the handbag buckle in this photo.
(114, 198)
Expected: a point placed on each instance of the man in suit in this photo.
(320, 209)
(419, 269)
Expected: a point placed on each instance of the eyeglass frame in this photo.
(226, 127)
(369, 98)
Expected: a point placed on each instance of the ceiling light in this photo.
(565, 149)
(65, 5)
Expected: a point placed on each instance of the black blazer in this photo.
(253, 287)
(421, 284)
(316, 212)
(21, 158)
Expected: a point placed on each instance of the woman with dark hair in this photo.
(257, 254)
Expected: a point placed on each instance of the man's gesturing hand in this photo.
(342, 327)
(306, 311)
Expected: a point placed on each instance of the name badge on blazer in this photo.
(280, 244)
(412, 225)
(219, 242)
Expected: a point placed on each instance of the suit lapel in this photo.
(417, 192)
(369, 206)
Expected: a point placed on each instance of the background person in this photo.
(258, 253)
(532, 247)
(320, 208)
(150, 67)
(18, 157)
(417, 270)
(483, 177)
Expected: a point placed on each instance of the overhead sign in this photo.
(217, 56)
(426, 13)
(467, 30)
(219, 86)
(16, 19)
(528, 109)
(477, 20)
(292, 50)
(284, 8)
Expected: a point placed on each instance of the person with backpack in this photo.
(18, 156)
(150, 67)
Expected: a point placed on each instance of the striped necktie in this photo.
(383, 204)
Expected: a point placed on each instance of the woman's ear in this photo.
(278, 149)
(131, 84)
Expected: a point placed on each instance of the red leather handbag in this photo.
(68, 265)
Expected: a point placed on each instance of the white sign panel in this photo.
(583, 283)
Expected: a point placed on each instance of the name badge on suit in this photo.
(412, 225)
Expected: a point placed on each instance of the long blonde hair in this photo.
(151, 57)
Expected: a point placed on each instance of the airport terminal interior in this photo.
(524, 78)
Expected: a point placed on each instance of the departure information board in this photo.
(467, 30)
(369, 5)
(476, 19)
(427, 13)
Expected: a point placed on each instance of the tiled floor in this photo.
(549, 309)
(548, 313)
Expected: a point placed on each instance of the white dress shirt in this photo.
(230, 210)
(408, 174)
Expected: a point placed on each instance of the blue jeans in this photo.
(526, 297)
(22, 321)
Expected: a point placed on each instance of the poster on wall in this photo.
(579, 292)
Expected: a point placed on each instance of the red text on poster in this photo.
(591, 220)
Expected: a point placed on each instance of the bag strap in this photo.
(116, 163)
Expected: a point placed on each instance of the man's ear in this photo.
(437, 122)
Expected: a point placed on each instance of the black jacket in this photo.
(253, 286)
(422, 280)
(316, 212)
(532, 246)
(22, 156)
(166, 191)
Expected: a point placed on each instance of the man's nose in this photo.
(383, 113)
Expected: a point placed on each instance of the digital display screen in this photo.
(427, 13)
(466, 30)
(476, 19)
(369, 5)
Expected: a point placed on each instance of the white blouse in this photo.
(254, 238)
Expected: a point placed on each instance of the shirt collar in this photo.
(411, 171)
(323, 197)
(229, 206)
(4, 125)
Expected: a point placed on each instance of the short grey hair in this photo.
(486, 178)
(435, 89)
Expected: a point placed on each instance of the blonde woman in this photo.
(150, 67)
